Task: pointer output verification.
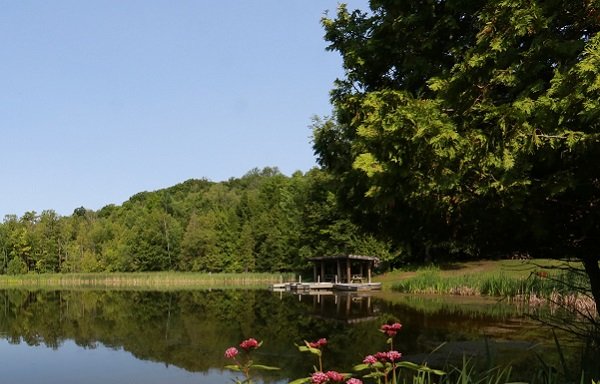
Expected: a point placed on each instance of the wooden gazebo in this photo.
(343, 268)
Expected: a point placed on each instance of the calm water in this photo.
(179, 337)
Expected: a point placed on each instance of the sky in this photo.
(102, 99)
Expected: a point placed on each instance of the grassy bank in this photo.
(148, 280)
(513, 268)
(537, 282)
(489, 284)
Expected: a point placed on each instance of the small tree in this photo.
(16, 266)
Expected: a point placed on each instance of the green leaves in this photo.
(363, 367)
(265, 367)
(367, 163)
(398, 134)
(300, 381)
(420, 368)
(306, 348)
(454, 113)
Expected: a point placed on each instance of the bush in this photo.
(16, 266)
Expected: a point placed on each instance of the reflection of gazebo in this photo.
(343, 268)
(347, 307)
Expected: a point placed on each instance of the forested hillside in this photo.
(263, 221)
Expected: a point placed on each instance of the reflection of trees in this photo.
(188, 329)
(191, 329)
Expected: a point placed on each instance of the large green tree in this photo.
(470, 126)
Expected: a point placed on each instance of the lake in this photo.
(180, 337)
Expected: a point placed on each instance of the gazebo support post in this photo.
(348, 271)
(342, 273)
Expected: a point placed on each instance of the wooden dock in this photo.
(316, 287)
(357, 287)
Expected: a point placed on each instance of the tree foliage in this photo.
(470, 126)
(263, 221)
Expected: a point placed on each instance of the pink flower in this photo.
(391, 329)
(319, 378)
(231, 353)
(335, 376)
(381, 356)
(370, 359)
(394, 356)
(354, 381)
(318, 344)
(249, 344)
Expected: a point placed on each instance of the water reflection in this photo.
(72, 364)
(190, 330)
(350, 308)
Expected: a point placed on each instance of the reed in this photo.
(146, 280)
(565, 289)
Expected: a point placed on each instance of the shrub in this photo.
(16, 266)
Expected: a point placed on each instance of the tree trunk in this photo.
(168, 242)
(593, 271)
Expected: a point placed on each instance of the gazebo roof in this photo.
(345, 257)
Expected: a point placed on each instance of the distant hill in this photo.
(263, 221)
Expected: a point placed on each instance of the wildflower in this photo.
(335, 376)
(354, 381)
(393, 356)
(231, 353)
(319, 378)
(249, 344)
(391, 329)
(318, 344)
(370, 359)
(381, 356)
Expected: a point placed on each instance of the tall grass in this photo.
(562, 288)
(490, 284)
(146, 280)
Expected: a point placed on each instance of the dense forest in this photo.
(263, 221)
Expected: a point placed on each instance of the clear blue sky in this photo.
(101, 99)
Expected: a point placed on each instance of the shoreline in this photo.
(142, 280)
